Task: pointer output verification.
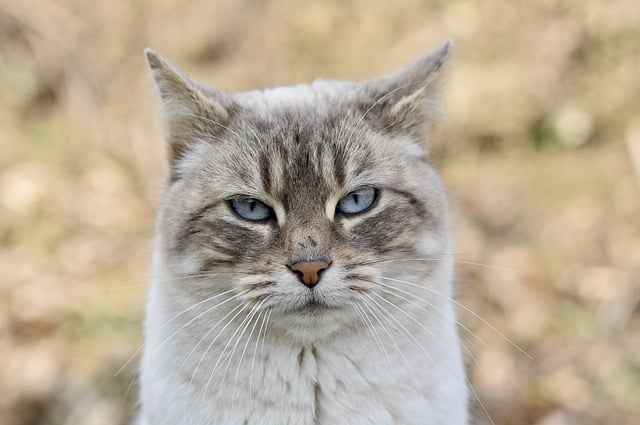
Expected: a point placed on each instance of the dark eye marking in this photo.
(191, 227)
(213, 263)
(200, 213)
(420, 210)
(225, 237)
(235, 241)
(382, 229)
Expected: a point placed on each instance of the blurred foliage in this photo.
(540, 149)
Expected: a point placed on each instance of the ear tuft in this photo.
(153, 59)
(407, 101)
(191, 112)
(180, 95)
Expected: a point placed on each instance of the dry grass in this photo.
(540, 150)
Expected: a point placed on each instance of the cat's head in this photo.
(302, 199)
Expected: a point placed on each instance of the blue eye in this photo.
(358, 201)
(250, 209)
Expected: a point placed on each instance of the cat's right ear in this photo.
(191, 112)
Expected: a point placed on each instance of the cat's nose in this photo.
(310, 271)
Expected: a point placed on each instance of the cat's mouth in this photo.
(313, 306)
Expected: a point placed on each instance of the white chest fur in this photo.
(357, 378)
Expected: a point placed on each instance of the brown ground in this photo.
(541, 151)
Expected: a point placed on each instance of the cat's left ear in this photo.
(407, 102)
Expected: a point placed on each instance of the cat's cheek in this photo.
(287, 285)
(187, 265)
(348, 224)
(182, 260)
(429, 244)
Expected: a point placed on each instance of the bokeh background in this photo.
(540, 149)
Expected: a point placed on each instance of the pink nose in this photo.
(309, 271)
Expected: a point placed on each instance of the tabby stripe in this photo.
(338, 164)
(421, 210)
(265, 172)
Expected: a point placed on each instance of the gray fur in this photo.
(299, 150)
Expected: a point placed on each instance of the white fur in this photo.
(345, 379)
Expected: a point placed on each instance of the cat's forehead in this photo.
(300, 143)
(316, 98)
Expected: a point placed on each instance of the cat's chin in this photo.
(312, 321)
(313, 307)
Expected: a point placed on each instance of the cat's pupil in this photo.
(355, 198)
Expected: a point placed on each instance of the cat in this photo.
(303, 259)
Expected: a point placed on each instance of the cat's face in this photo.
(300, 199)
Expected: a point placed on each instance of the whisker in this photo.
(473, 313)
(436, 259)
(420, 324)
(196, 318)
(206, 334)
(132, 382)
(247, 322)
(476, 396)
(471, 387)
(386, 313)
(123, 285)
(364, 303)
(389, 289)
(469, 383)
(266, 329)
(253, 358)
(366, 322)
(393, 259)
(231, 339)
(253, 328)
(174, 318)
(404, 328)
(210, 346)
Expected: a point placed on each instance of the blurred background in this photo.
(540, 150)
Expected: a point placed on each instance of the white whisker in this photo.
(476, 315)
(206, 352)
(405, 361)
(253, 328)
(375, 316)
(437, 259)
(171, 320)
(429, 306)
(404, 328)
(245, 325)
(369, 325)
(255, 352)
(206, 334)
(154, 350)
(221, 355)
(416, 321)
(471, 387)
